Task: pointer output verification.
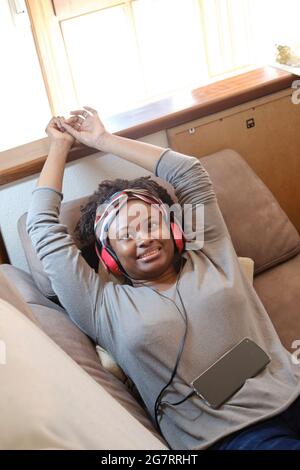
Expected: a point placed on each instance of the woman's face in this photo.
(141, 240)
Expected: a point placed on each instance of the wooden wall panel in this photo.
(271, 148)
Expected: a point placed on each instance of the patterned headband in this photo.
(107, 211)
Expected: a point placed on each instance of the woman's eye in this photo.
(125, 236)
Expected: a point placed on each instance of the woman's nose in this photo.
(143, 236)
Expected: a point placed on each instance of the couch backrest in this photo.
(259, 228)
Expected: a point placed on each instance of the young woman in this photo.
(171, 320)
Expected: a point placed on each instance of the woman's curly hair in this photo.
(84, 229)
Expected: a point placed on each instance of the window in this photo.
(121, 54)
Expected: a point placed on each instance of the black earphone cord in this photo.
(158, 401)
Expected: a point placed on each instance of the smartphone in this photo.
(229, 373)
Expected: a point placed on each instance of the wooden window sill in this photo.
(28, 159)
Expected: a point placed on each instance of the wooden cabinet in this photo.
(266, 132)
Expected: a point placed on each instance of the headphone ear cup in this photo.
(178, 236)
(100, 258)
(108, 261)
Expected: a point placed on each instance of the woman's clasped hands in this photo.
(84, 125)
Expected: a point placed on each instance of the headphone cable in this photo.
(158, 401)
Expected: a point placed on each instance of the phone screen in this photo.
(229, 373)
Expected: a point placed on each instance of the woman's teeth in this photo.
(150, 253)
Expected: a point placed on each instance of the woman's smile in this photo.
(150, 255)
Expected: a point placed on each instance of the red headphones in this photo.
(106, 254)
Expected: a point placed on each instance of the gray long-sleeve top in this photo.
(143, 331)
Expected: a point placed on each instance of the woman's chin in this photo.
(152, 266)
(154, 269)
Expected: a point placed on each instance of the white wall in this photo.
(81, 178)
(25, 109)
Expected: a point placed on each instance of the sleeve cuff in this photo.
(47, 188)
(159, 160)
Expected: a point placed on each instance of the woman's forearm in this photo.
(140, 153)
(53, 169)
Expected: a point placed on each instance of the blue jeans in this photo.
(279, 433)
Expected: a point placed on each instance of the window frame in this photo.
(73, 8)
(52, 55)
(45, 17)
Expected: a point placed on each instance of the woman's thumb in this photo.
(70, 129)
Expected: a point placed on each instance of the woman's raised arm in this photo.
(60, 144)
(76, 284)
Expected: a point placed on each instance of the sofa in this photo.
(259, 229)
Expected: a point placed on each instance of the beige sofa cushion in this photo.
(247, 265)
(11, 295)
(16, 285)
(48, 402)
